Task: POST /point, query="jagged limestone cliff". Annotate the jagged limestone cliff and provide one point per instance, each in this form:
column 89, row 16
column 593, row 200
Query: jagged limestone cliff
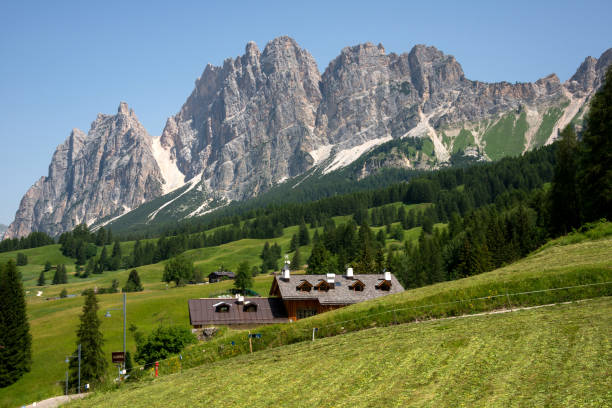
column 265, row 117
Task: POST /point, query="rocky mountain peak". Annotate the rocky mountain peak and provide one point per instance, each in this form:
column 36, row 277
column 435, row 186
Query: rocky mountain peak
column 124, row 109
column 266, row 116
column 92, row 177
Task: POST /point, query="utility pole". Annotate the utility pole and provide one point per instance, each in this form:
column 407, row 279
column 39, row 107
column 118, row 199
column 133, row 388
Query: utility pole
column 124, row 319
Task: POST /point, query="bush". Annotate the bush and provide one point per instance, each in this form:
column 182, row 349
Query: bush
column 178, row 270
column 163, row 342
column 64, row 293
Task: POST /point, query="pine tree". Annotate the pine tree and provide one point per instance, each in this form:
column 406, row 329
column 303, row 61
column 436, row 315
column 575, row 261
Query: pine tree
column 244, row 278
column 380, row 260
column 318, row 258
column 116, row 250
column 304, row 235
column 41, row 279
column 294, row 243
column 564, row 205
column 93, row 363
column 115, row 261
column 61, row 275
column 595, row 165
column 57, row 275
column 103, row 261
column 133, row 283
column 15, row 338
column 47, row 266
column 296, row 262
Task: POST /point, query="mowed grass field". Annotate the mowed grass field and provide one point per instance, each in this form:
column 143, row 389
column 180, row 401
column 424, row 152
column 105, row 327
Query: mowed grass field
column 553, row 356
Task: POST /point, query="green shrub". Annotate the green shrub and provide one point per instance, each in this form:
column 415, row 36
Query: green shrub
column 163, row 342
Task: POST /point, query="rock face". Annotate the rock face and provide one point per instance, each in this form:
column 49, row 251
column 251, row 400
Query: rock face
column 92, row 177
column 265, row 117
column 249, row 124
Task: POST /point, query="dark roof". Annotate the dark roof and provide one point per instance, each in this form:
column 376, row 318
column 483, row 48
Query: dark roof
column 222, row 273
column 269, row 310
column 339, row 295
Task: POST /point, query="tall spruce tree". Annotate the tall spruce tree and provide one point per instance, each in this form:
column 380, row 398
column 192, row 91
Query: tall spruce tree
column 41, row 279
column 296, row 262
column 564, row 204
column 595, row 165
column 57, row 275
column 133, row 283
column 294, row 243
column 304, row 235
column 15, row 338
column 93, row 364
column 318, row 258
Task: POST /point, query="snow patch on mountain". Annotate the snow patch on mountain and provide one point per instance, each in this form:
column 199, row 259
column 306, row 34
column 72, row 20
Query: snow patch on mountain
column 568, row 114
column 345, row 157
column 321, row 154
column 170, row 172
column 192, row 184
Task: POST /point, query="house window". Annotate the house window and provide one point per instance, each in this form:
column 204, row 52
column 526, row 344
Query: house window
column 252, row 307
column 384, row 285
column 358, row 286
column 322, row 286
column 303, row 313
column 222, row 308
column 304, row 286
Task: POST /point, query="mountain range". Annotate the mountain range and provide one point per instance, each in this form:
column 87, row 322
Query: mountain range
column 267, row 117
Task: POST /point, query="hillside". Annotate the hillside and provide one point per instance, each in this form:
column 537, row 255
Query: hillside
column 581, row 259
column 541, row 357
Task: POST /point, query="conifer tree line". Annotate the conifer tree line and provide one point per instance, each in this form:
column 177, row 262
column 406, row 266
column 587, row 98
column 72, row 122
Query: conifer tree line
column 15, row 338
column 481, row 185
column 33, row 240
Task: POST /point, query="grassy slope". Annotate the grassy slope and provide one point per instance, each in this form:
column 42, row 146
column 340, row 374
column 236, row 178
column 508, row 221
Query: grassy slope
column 506, row 137
column 53, row 323
column 542, row 357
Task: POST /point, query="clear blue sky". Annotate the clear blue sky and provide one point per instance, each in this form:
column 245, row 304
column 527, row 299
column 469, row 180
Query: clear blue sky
column 62, row 62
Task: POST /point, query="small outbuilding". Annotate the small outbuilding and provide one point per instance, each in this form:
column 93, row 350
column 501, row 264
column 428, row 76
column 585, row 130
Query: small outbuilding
column 218, row 276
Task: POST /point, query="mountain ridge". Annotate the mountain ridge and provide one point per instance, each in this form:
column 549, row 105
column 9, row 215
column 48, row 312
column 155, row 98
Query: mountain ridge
column 265, row 117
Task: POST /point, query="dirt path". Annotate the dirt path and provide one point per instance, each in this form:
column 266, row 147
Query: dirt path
column 56, row 401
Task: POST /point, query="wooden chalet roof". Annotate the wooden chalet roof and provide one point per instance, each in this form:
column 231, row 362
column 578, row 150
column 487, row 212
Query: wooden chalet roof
column 341, row 294
column 269, row 310
column 222, row 273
